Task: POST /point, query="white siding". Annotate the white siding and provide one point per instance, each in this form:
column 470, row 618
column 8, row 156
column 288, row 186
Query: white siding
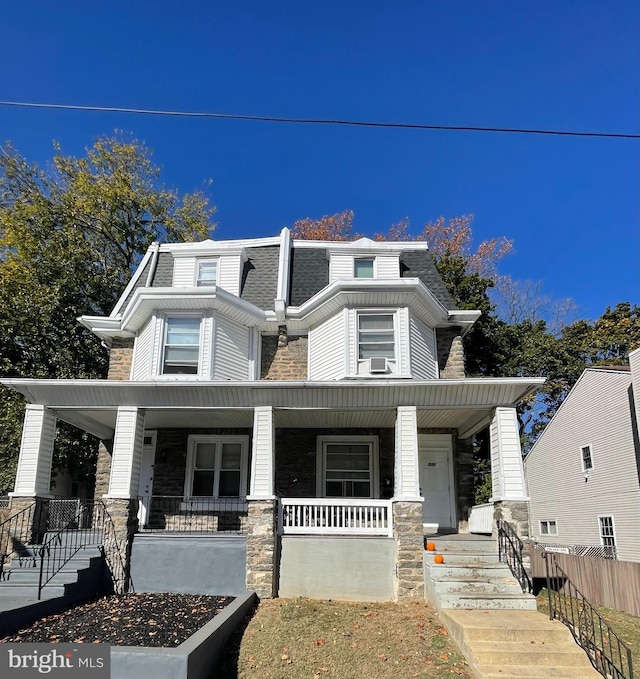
column 143, row 352
column 407, row 484
column 387, row 266
column 231, row 351
column 596, row 413
column 327, row 349
column 127, row 453
column 424, row 364
column 206, row 346
column 36, row 452
column 506, row 456
column 340, row 267
column 403, row 353
column 156, row 354
column 262, row 458
column 184, row 272
column 229, row 274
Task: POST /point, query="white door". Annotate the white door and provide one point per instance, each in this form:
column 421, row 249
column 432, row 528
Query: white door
column 436, row 480
column 145, row 487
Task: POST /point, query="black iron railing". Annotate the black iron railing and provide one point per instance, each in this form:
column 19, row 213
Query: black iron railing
column 193, row 514
column 88, row 525
column 606, row 651
column 24, row 528
column 510, row 551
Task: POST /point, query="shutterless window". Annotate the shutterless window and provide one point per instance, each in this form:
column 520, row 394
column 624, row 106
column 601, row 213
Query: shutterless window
column 217, row 469
column 548, row 528
column 207, row 273
column 363, row 267
column 348, row 470
column 181, row 345
column 376, row 336
column 607, row 534
column 587, row 460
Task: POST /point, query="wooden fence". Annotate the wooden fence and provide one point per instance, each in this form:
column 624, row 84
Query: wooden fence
column 613, row 584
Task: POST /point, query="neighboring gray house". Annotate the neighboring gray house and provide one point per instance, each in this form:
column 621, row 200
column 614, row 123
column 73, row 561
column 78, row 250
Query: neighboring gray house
column 583, row 473
column 270, row 403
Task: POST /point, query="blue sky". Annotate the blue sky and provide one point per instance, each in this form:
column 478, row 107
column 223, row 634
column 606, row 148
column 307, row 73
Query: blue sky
column 570, row 204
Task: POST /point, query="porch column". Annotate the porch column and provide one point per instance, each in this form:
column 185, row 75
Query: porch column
column 121, row 500
column 33, row 477
column 261, row 507
column 407, row 508
column 507, row 471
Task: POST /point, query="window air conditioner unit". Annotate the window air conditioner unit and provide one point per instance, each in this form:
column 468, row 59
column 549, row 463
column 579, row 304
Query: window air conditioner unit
column 378, row 365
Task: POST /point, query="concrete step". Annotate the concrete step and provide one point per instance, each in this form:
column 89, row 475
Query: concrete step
column 478, row 546
column 32, row 575
column 488, row 601
column 540, row 672
column 454, row 583
column 462, row 570
column 469, row 557
column 509, row 653
column 26, row 591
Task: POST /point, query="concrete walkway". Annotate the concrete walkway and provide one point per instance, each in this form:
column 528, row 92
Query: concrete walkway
column 512, row 644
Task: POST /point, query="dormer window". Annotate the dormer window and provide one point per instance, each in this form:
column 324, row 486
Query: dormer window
column 206, row 272
column 181, row 355
column 363, row 267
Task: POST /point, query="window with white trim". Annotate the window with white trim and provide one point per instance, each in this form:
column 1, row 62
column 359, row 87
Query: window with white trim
column 181, row 345
column 548, row 527
column 607, row 531
column 216, row 466
column 376, row 340
column 348, row 466
column 587, row 459
column 363, row 267
column 206, row 272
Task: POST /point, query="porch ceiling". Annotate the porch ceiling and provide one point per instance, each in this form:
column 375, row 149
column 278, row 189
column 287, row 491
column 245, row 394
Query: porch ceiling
column 464, row 404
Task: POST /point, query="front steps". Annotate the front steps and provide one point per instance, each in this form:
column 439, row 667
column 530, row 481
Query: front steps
column 471, row 576
column 517, row 645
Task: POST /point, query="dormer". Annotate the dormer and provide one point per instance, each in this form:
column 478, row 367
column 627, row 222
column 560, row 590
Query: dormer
column 208, row 264
column 363, row 258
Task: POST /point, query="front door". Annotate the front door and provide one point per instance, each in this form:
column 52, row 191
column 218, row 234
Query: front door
column 436, row 480
column 145, row 487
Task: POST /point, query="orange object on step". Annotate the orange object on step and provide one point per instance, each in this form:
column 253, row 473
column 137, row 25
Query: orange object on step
column 431, row 546
column 438, row 558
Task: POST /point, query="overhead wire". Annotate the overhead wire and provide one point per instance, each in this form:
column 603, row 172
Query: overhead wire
column 321, row 121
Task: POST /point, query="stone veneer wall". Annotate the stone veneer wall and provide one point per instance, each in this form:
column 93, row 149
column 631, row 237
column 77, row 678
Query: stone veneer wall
column 409, row 547
column 295, row 459
column 464, row 484
column 124, row 515
column 450, row 353
column 120, row 358
column 261, row 547
column 284, row 358
column 516, row 512
column 103, row 470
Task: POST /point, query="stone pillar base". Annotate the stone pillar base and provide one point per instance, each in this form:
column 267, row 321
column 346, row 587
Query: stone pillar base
column 117, row 541
column 261, row 547
column 408, row 536
column 515, row 512
column 29, row 529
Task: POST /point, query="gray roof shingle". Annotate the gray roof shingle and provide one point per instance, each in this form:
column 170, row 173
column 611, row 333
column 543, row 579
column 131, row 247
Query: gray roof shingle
column 259, row 283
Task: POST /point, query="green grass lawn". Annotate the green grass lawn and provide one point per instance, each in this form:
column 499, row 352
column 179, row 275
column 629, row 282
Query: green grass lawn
column 309, row 639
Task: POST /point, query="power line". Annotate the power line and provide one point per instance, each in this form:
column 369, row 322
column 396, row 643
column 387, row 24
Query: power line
column 319, row 121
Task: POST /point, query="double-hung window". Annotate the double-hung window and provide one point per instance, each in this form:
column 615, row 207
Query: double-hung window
column 216, row 466
column 363, row 267
column 206, row 272
column 607, row 532
column 376, row 338
column 587, row 459
column 181, row 351
column 548, row 527
column 348, row 467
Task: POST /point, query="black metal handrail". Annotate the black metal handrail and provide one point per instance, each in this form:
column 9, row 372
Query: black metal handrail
column 171, row 513
column 90, row 526
column 609, row 654
column 19, row 530
column 510, row 550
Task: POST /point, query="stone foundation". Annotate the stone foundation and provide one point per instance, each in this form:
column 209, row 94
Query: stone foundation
column 30, row 529
column 408, row 536
column 123, row 513
column 515, row 512
column 261, row 547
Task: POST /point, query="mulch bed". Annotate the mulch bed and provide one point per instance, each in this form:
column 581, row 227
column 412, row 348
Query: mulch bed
column 128, row 620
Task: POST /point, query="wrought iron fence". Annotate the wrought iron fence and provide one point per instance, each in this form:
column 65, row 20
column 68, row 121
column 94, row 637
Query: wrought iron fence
column 193, row 514
column 609, row 654
column 24, row 528
column 510, row 551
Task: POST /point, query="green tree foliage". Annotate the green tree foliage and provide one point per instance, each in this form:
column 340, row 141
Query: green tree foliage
column 70, row 236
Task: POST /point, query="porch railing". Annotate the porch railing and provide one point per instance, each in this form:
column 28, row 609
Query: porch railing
column 21, row 530
column 481, row 519
column 305, row 516
column 511, row 551
column 607, row 652
column 176, row 514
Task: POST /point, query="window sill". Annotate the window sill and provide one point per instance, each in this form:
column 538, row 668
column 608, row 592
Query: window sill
column 378, row 376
